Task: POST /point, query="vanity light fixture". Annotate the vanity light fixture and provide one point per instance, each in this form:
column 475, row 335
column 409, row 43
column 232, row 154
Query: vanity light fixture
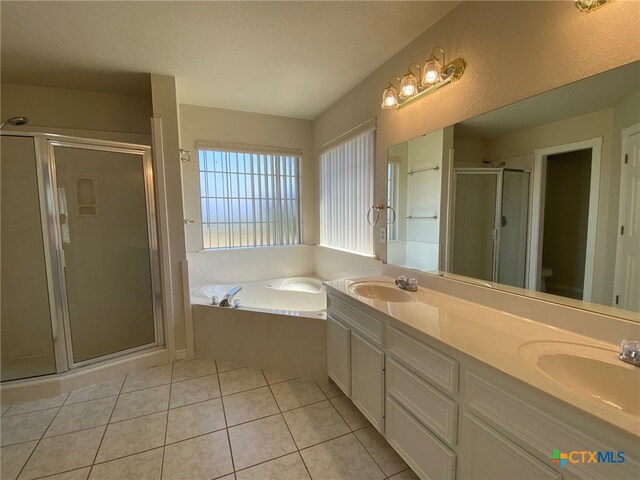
column 589, row 6
column 435, row 74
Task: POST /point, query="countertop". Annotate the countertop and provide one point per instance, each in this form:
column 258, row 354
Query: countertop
column 494, row 338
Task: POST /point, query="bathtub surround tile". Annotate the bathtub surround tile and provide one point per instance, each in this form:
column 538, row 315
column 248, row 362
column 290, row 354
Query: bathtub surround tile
column 193, row 420
column 141, row 402
column 250, row 405
column 297, row 393
column 385, row 456
column 25, row 427
column 315, row 423
column 187, row 369
column 80, row 474
column 349, row 413
column 36, row 405
column 196, row 390
column 132, row 436
column 277, row 377
column 241, row 379
column 142, row 466
column 152, row 377
column 13, row 458
column 200, row 458
column 330, row 389
column 406, row 475
column 261, row 440
column 63, row 453
column 342, row 458
column 226, row 365
column 93, row 392
column 81, row 416
column 289, row 467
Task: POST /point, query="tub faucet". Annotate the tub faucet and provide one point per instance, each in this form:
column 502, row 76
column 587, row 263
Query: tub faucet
column 630, row 352
column 228, row 298
column 410, row 284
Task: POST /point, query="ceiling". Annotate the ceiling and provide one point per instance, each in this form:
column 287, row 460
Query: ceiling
column 292, row 59
column 585, row 96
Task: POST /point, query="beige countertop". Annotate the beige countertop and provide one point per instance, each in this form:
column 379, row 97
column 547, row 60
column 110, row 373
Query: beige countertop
column 499, row 340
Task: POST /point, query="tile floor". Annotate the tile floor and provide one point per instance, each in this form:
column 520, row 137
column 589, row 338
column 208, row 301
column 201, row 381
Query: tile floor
column 196, row 420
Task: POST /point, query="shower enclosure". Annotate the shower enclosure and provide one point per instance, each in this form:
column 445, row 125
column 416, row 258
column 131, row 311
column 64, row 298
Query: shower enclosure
column 490, row 224
column 79, row 257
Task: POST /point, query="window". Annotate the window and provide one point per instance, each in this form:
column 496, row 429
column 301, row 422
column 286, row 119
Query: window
column 249, row 198
column 346, row 194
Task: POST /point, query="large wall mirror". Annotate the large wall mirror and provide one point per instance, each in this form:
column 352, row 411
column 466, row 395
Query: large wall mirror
column 541, row 197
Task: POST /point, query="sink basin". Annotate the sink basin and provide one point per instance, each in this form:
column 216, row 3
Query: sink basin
column 381, row 291
column 588, row 370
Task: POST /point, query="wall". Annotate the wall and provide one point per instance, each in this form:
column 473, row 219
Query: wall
column 74, row 112
column 509, row 47
column 218, row 125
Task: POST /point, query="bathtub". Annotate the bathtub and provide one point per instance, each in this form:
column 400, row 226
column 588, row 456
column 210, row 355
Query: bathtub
column 298, row 296
column 280, row 325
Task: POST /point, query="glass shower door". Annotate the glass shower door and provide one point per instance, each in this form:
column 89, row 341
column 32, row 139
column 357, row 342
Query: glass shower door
column 27, row 336
column 475, row 211
column 107, row 240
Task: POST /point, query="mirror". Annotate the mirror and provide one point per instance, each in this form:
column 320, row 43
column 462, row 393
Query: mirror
column 541, row 197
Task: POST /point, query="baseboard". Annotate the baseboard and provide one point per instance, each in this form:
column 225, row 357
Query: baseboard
column 181, row 354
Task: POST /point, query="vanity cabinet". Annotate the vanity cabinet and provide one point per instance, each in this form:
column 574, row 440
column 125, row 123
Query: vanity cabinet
column 450, row 417
column 487, row 455
column 339, row 354
column 367, row 380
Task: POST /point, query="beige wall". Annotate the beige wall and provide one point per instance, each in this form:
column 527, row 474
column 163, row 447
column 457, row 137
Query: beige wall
column 214, row 124
column 62, row 109
column 513, row 50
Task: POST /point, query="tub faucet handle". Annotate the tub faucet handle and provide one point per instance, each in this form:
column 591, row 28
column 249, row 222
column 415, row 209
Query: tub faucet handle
column 236, row 303
column 214, row 300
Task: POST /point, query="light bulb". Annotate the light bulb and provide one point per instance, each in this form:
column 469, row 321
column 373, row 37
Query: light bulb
column 389, row 97
column 408, row 86
column 432, row 72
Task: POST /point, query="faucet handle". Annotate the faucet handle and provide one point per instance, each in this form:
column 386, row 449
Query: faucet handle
column 214, row 300
column 627, row 347
column 236, row 303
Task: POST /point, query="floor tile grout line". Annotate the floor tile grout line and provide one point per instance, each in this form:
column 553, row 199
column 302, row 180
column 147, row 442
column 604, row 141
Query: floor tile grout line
column 61, row 473
column 166, row 423
column 226, row 424
column 104, row 433
column 39, row 440
column 289, row 430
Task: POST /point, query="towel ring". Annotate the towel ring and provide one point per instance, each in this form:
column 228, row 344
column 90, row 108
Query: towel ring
column 376, row 209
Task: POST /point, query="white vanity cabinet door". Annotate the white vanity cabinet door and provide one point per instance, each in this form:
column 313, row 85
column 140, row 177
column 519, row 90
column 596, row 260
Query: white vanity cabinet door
column 487, row 455
column 339, row 355
column 367, row 380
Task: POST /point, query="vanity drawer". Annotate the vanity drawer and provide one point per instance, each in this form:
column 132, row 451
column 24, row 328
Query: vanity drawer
column 427, row 456
column 367, row 326
column 431, row 407
column 426, row 361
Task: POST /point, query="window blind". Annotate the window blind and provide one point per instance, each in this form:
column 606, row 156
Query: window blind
column 249, row 199
column 346, row 194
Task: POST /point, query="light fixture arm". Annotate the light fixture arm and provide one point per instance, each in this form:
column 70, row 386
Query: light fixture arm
column 419, row 69
column 443, row 63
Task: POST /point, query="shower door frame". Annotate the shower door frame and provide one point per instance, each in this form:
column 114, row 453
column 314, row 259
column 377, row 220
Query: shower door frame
column 44, row 144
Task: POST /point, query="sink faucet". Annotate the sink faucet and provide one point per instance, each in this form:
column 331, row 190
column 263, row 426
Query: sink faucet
column 630, row 352
column 410, row 284
column 228, row 298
